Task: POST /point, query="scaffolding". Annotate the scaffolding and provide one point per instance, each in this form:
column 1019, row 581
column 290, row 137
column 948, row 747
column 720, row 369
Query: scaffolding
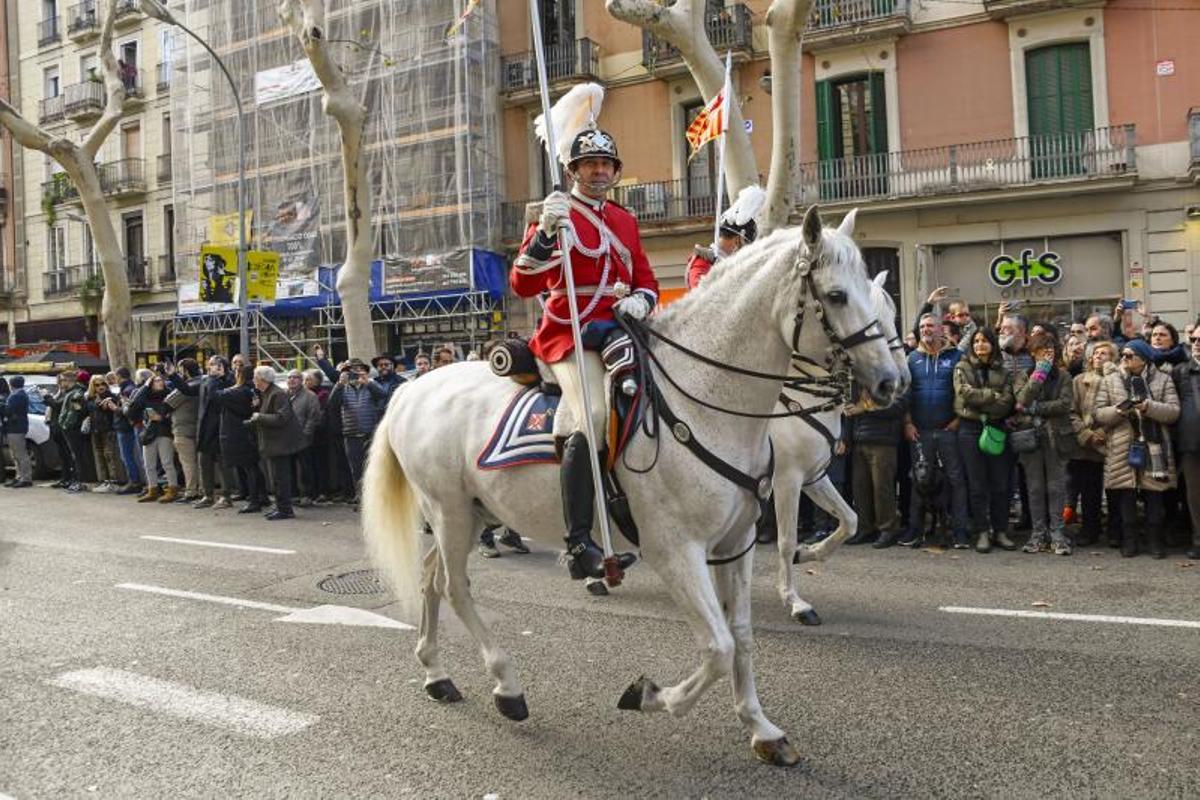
column 432, row 146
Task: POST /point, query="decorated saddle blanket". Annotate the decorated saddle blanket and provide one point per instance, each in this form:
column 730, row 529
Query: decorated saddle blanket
column 525, row 432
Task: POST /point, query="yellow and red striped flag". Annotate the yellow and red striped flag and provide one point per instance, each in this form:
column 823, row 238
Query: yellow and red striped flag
column 456, row 26
column 710, row 123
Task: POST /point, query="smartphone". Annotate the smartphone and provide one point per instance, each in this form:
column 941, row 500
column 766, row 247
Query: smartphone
column 1125, row 405
column 1128, row 304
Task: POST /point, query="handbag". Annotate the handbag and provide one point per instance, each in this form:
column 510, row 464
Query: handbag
column 1024, row 441
column 991, row 439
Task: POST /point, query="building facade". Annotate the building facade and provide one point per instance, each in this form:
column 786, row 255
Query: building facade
column 1008, row 149
column 60, row 90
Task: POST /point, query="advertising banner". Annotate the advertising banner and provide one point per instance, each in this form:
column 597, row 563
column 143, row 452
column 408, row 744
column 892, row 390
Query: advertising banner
column 280, row 83
column 262, row 276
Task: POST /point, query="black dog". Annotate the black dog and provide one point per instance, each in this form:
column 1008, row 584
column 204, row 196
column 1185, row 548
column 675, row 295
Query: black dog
column 930, row 483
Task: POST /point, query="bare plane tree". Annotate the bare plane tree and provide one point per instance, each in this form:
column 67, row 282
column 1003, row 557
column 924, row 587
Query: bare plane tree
column 306, row 19
column 681, row 24
column 79, row 163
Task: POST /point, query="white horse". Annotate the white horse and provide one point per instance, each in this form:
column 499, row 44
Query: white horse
column 766, row 303
column 803, row 455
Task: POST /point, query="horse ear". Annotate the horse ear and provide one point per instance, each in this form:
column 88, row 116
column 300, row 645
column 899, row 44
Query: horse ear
column 880, row 279
column 847, row 226
column 812, row 227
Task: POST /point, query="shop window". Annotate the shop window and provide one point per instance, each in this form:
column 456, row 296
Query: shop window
column 852, row 142
column 1058, row 86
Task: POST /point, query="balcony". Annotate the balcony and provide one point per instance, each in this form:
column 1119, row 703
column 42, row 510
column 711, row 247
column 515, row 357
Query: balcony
column 731, row 29
column 124, row 178
column 135, row 87
column 51, row 109
column 137, row 273
column 833, row 23
column 59, row 190
column 999, row 9
column 3, row 194
column 1194, row 143
column 1003, row 164
column 11, row 284
column 71, row 279
column 569, row 61
column 83, row 22
column 49, row 32
column 84, row 100
column 129, row 12
column 166, row 271
column 164, row 169
column 162, row 77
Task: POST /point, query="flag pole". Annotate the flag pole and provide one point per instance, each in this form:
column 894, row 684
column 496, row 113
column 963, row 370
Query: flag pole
column 611, row 568
column 726, row 107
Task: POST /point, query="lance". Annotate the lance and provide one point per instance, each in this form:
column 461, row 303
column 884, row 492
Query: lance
column 612, row 571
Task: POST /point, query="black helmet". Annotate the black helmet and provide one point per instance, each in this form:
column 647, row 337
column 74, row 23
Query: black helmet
column 748, row 231
column 594, row 143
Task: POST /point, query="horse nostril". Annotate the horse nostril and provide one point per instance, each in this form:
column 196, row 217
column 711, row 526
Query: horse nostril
column 886, row 388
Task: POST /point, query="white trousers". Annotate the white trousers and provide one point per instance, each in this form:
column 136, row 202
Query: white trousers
column 570, row 412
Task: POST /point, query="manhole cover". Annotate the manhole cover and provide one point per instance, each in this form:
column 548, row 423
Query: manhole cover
column 362, row 581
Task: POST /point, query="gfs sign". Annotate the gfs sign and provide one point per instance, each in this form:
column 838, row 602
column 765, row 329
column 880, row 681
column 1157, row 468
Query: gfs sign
column 1006, row 271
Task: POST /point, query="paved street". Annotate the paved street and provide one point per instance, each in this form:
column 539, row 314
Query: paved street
column 114, row 685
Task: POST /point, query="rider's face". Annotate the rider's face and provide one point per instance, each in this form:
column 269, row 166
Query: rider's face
column 595, row 176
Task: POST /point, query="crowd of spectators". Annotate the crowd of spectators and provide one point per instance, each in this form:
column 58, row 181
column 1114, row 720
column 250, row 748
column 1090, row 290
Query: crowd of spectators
column 213, row 435
column 1080, row 433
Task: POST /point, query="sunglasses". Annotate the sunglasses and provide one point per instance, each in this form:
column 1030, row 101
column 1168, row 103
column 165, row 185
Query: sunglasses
column 1194, row 339
column 1128, row 356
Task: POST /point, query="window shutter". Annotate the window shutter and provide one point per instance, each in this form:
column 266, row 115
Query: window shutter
column 879, row 126
column 825, row 127
column 1058, row 82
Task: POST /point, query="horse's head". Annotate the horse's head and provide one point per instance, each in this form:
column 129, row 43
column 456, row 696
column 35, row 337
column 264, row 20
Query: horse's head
column 836, row 309
column 885, row 312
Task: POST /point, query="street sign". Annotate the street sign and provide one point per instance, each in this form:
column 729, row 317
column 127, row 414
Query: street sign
column 1164, row 68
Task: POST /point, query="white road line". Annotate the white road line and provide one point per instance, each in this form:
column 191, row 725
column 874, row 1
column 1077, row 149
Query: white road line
column 1006, row 612
column 200, row 543
column 4, row 796
column 210, row 598
column 237, row 714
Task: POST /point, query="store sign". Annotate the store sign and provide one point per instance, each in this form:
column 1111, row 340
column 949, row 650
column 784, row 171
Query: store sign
column 1005, row 271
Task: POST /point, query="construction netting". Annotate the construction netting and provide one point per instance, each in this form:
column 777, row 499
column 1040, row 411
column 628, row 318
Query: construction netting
column 432, row 141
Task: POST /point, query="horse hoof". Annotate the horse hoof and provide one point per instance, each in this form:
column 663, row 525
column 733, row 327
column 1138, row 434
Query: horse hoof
column 635, row 695
column 806, row 617
column 444, row 691
column 777, row 752
column 512, row 707
column 597, row 589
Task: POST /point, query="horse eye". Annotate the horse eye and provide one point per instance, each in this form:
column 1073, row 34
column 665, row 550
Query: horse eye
column 838, row 297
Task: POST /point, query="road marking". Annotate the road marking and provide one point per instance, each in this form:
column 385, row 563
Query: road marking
column 200, row 543
column 321, row 615
column 247, row 717
column 1006, row 612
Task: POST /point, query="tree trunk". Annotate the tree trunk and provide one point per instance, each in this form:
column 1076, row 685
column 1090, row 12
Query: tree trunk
column 785, row 29
column 306, row 19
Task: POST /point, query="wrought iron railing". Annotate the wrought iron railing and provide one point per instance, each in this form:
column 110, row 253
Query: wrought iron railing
column 166, row 271
column 52, row 109
column 732, row 28
column 162, row 76
column 83, row 99
column 975, row 166
column 82, row 19
column 132, row 80
column 566, row 60
column 136, row 272
column 11, row 282
column 69, row 279
column 164, row 168
column 59, row 189
column 49, row 32
column 831, row 14
column 126, row 176
column 127, row 9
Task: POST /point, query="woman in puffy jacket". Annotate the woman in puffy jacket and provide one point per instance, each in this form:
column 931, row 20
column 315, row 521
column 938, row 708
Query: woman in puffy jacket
column 983, row 394
column 1136, row 404
column 1086, row 470
column 100, row 406
column 1043, row 412
column 151, row 408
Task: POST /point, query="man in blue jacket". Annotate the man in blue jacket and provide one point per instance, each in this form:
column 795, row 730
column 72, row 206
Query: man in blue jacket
column 931, row 425
column 16, row 428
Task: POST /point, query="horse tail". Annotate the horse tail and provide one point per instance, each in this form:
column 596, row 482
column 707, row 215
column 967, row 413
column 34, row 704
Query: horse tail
column 391, row 521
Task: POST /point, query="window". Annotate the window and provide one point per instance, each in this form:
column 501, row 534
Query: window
column 1058, row 88
column 56, row 248
column 89, row 68
column 852, row 141
column 167, row 273
column 558, row 21
column 51, row 84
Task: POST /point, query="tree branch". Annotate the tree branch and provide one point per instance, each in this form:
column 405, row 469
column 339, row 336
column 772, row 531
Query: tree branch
column 114, row 87
column 26, row 134
column 785, row 29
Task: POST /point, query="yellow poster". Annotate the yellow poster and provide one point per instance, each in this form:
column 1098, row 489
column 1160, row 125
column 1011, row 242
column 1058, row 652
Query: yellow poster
column 218, row 274
column 223, row 228
column 262, row 267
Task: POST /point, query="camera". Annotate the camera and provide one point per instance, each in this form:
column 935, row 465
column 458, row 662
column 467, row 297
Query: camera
column 1137, row 389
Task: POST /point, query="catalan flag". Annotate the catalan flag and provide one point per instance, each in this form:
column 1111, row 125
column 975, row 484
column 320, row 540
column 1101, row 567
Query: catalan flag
column 710, row 123
column 456, row 26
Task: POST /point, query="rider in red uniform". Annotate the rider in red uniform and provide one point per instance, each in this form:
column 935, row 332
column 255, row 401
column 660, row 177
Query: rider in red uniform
column 610, row 271
column 737, row 229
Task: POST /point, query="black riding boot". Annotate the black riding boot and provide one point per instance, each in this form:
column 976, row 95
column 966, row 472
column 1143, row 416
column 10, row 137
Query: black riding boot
column 579, row 507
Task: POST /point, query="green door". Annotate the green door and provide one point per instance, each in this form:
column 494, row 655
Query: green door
column 852, row 141
column 1058, row 82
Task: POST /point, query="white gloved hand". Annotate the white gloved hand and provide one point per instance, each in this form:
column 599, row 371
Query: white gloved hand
column 636, row 306
column 556, row 209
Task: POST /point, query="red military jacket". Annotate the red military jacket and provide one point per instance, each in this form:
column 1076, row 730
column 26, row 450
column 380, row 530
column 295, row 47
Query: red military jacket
column 699, row 264
column 606, row 234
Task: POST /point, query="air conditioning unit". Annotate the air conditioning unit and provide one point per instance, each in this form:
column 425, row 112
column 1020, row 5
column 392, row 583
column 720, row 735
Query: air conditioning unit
column 515, row 75
column 648, row 201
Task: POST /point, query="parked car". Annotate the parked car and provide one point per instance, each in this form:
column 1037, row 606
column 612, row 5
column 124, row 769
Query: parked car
column 42, row 453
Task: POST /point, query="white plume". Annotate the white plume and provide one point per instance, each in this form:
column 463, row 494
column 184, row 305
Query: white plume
column 575, row 111
column 749, row 202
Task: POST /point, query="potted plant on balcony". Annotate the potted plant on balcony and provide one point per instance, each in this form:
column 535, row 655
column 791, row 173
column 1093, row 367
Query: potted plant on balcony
column 91, row 293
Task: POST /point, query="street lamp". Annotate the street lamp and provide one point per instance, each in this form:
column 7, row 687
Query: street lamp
column 155, row 9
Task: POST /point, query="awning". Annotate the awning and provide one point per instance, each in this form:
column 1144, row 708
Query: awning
column 156, row 312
